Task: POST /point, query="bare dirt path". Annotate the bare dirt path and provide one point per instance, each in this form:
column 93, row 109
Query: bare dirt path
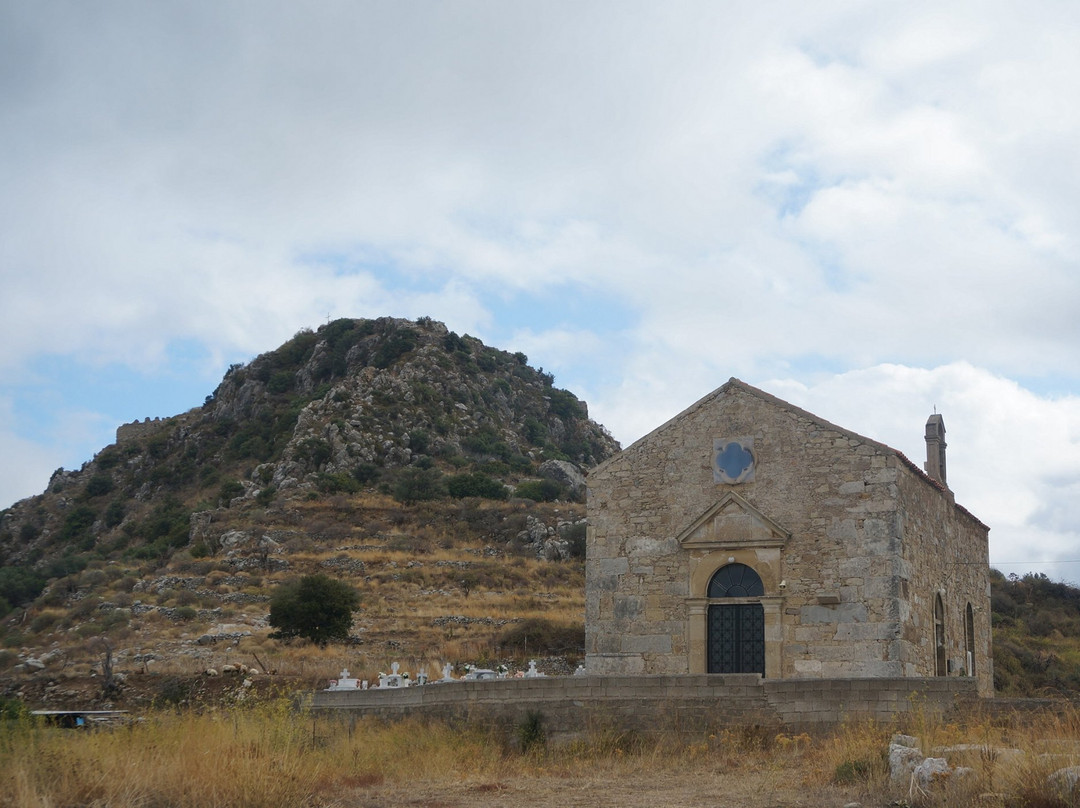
column 773, row 789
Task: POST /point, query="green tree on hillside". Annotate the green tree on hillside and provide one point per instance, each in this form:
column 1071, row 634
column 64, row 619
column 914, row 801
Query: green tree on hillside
column 316, row 607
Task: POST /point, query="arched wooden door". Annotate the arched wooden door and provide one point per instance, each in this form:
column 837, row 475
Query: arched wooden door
column 736, row 631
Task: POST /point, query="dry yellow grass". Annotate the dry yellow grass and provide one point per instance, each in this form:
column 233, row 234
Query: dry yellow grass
column 267, row 755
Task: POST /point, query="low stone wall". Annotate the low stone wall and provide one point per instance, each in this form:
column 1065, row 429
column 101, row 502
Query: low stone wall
column 576, row 705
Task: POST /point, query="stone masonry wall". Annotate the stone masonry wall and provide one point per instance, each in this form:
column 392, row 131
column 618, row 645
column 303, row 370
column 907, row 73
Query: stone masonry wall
column 946, row 551
column 834, row 492
column 571, row 707
column 139, row 429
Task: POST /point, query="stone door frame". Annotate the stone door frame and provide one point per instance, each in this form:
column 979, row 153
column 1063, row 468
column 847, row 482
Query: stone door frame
column 766, row 563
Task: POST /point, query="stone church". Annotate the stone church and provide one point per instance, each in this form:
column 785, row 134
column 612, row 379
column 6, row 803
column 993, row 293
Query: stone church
column 749, row 536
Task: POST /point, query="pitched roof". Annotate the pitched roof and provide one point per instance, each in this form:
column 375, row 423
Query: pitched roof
column 738, row 384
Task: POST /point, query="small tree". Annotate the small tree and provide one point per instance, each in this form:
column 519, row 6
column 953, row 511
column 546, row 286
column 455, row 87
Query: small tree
column 316, row 607
column 418, row 485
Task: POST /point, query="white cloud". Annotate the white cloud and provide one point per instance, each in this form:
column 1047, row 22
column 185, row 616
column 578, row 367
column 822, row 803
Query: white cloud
column 772, row 190
column 1013, row 456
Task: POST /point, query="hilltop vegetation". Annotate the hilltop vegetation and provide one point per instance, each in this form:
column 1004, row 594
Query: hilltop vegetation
column 1036, row 635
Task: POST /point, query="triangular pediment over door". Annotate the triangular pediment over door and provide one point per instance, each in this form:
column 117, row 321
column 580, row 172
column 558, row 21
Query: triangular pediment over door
column 731, row 524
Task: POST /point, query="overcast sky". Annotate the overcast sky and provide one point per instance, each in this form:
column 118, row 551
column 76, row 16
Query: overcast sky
column 869, row 209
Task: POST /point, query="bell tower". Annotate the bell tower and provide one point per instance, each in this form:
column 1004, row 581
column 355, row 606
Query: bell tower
column 935, row 448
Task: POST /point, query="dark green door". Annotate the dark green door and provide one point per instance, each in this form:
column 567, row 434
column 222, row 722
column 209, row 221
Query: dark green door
column 736, row 638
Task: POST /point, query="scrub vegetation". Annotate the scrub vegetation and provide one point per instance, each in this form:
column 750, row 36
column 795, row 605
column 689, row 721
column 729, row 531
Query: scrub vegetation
column 267, row 754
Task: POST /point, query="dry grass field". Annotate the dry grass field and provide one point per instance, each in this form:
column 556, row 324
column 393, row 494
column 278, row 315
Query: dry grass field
column 267, row 755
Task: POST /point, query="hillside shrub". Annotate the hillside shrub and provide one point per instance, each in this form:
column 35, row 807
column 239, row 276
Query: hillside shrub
column 108, row 458
column 230, row 489
column 535, row 431
column 317, row 607
column 452, row 342
column 460, row 486
column 114, row 513
column 575, row 535
column 565, row 404
column 166, row 527
column 538, row 636
column 419, row 441
column 19, row 585
column 77, row 526
column 67, row 564
column 539, row 490
column 365, row 473
column 99, row 485
column 340, row 483
column 486, row 441
column 314, row 451
column 418, row 485
column 394, row 347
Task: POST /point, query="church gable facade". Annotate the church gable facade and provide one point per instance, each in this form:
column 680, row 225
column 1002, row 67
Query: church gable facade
column 749, row 536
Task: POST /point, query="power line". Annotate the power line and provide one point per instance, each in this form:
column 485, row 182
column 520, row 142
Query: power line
column 1063, row 561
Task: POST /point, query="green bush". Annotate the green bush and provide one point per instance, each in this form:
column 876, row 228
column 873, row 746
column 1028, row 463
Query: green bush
column 853, row 771
column 337, row 483
column 316, row 607
column 419, row 441
column 315, row 451
column 565, row 404
column 281, row 382
column 107, row 459
column 20, row 585
column 230, row 489
column 365, row 473
column 460, row 486
column 167, row 526
column 486, row 441
column 535, row 431
column 98, row 485
column 76, row 528
column 394, row 347
column 418, row 485
column 174, row 692
column 114, row 514
column 530, row 732
column 11, row 708
column 538, row 636
column 575, row 535
column 539, row 490
column 452, row 342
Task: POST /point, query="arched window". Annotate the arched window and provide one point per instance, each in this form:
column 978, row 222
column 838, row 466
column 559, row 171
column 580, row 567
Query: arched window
column 969, row 638
column 940, row 665
column 735, row 581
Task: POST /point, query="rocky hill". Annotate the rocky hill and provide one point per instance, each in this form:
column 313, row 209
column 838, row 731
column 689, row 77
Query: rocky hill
column 420, row 465
column 440, row 477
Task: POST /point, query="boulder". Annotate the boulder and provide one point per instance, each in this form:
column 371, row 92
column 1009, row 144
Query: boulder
column 902, row 762
column 565, row 473
column 929, row 770
column 554, row 550
column 1066, row 783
